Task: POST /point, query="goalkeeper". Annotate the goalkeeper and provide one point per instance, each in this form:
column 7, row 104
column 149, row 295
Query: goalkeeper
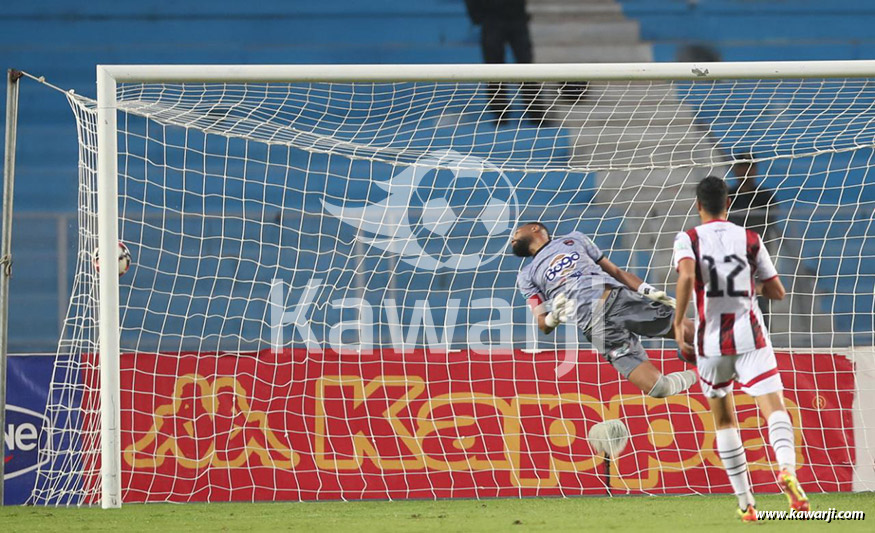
column 573, row 274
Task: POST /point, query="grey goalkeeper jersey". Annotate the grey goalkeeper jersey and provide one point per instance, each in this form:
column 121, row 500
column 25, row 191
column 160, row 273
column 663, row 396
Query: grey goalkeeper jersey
column 567, row 264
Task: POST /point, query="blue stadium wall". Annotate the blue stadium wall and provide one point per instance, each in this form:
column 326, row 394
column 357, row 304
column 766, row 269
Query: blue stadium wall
column 65, row 40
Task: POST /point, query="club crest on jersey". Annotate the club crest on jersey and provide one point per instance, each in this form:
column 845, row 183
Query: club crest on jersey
column 562, row 265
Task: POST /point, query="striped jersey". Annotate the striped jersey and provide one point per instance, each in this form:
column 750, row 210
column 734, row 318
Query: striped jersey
column 728, row 260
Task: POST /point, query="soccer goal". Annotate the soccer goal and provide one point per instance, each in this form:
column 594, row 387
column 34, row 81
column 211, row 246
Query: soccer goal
column 321, row 303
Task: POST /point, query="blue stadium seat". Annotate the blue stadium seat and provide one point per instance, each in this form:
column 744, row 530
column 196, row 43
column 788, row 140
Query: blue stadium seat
column 64, row 41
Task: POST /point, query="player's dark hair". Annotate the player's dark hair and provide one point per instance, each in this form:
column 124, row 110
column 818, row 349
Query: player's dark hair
column 521, row 246
column 543, row 227
column 712, row 194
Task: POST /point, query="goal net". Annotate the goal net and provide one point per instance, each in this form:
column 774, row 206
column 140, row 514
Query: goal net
column 322, row 301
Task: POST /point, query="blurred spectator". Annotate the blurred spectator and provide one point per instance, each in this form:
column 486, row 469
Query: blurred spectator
column 753, row 208
column 503, row 23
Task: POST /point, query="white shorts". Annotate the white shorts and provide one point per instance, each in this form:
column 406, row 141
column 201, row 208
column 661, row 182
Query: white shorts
column 756, row 373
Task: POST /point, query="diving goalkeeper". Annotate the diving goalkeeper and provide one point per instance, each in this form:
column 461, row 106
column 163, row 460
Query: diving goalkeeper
column 573, row 274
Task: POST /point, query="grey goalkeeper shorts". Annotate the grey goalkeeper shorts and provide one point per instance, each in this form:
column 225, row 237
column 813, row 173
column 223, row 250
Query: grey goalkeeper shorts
column 627, row 315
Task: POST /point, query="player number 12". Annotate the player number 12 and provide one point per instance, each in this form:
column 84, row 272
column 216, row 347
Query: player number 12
column 714, row 290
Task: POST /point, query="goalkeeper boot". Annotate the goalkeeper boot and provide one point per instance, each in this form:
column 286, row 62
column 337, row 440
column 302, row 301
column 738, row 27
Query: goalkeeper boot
column 795, row 495
column 748, row 515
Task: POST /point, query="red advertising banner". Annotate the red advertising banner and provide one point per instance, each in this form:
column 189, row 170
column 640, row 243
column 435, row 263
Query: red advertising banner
column 301, row 425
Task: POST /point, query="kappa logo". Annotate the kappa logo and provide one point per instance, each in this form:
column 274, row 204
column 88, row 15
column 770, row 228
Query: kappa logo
column 210, row 423
column 22, row 431
column 562, row 265
column 446, row 211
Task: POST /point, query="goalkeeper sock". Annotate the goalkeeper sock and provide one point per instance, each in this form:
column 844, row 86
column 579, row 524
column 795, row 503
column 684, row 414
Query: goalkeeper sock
column 674, row 383
column 731, row 452
column 781, row 439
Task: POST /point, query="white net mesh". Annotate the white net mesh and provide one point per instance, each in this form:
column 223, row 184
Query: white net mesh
column 322, row 304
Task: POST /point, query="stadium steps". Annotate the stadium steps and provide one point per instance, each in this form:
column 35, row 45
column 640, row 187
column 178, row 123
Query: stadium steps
column 592, row 33
column 619, row 52
column 588, row 31
column 626, row 125
column 645, row 126
column 575, row 10
column 64, row 41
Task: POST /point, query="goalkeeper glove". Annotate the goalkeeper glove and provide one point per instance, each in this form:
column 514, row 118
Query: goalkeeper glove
column 562, row 309
column 651, row 292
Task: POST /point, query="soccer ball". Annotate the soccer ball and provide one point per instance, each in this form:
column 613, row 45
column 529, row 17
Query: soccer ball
column 608, row 438
column 124, row 259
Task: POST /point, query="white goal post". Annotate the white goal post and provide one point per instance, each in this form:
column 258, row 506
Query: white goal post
column 671, row 89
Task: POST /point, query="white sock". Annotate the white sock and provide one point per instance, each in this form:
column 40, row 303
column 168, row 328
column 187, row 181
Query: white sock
column 731, row 452
column 781, row 439
column 684, row 379
column 674, row 383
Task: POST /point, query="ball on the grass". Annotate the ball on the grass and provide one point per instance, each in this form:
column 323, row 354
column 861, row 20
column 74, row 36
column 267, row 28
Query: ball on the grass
column 124, row 259
column 609, row 437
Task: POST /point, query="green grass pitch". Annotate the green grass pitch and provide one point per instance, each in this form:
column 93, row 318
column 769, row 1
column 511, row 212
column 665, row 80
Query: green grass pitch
column 640, row 514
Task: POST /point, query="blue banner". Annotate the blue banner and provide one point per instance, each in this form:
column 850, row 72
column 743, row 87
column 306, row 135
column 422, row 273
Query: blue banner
column 27, row 389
